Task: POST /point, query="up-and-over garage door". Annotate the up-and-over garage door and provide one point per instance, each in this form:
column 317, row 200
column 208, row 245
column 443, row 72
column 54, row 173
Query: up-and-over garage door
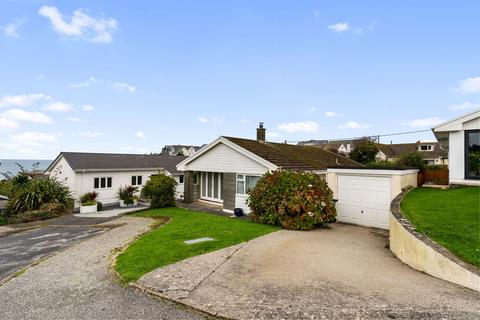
column 364, row 200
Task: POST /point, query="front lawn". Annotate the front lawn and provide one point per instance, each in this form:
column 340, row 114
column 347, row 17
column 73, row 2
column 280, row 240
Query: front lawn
column 450, row 217
column 165, row 245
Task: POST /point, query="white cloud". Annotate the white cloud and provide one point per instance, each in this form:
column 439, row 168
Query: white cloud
column 345, row 26
column 58, row 107
column 90, row 134
column 124, row 86
column 424, row 123
column 464, row 106
column 26, row 116
column 120, row 86
column 272, row 134
column 354, row 125
column 88, row 107
column 469, row 85
column 81, row 25
column 302, row 126
column 23, row 100
column 140, row 135
column 74, row 119
column 339, row 27
column 11, row 29
column 211, row 119
column 8, row 124
column 332, row 114
column 33, row 138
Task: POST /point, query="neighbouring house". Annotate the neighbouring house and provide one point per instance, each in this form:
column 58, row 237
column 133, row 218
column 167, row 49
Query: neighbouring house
column 180, row 150
column 225, row 170
column 105, row 173
column 3, row 203
column 432, row 152
column 461, row 136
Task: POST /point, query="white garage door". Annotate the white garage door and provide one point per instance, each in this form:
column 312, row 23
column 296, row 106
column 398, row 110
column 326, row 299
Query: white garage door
column 364, row 200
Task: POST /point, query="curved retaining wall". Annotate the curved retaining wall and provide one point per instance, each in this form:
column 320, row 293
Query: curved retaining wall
column 423, row 254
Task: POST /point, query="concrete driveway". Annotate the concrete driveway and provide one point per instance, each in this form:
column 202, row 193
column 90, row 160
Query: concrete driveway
column 345, row 272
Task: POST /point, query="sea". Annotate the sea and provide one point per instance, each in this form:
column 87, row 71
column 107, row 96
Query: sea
column 10, row 165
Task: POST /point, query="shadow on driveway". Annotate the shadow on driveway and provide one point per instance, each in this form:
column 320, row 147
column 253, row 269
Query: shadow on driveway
column 20, row 249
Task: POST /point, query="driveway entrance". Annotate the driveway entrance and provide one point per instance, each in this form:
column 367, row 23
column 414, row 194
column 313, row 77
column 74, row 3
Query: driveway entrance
column 345, row 272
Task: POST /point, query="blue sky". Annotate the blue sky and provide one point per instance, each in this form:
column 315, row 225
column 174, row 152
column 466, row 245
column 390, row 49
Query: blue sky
column 132, row 76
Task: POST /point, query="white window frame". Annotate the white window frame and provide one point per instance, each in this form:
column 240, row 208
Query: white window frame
column 204, row 175
column 244, row 180
column 100, row 183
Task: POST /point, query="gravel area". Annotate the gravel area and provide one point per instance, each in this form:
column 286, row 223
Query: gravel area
column 77, row 284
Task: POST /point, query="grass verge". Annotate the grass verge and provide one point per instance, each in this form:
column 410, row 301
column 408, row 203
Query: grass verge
column 165, row 245
column 450, row 217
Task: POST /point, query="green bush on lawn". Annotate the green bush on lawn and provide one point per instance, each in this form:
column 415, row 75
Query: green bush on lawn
column 160, row 189
column 294, row 200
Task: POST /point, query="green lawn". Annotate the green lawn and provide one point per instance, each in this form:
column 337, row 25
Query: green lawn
column 450, row 217
column 165, row 245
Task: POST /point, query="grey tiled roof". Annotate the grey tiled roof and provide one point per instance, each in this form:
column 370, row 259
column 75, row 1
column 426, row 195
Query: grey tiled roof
column 116, row 161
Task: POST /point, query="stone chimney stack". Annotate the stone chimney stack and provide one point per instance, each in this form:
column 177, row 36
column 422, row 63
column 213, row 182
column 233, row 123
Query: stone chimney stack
column 261, row 133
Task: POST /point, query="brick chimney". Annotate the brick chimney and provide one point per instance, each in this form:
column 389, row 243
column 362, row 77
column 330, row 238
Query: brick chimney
column 261, row 133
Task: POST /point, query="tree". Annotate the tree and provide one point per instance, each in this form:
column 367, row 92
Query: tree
column 364, row 152
column 411, row 160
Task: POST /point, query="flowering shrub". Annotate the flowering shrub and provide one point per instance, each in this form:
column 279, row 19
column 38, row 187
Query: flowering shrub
column 294, row 200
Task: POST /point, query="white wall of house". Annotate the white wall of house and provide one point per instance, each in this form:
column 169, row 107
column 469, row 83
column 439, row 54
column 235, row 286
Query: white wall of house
column 223, row 158
column 456, row 153
column 65, row 174
column 81, row 182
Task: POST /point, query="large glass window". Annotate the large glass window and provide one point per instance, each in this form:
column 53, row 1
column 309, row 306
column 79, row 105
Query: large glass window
column 472, row 154
column 246, row 183
column 211, row 186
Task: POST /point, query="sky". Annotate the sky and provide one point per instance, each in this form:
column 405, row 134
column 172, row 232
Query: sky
column 133, row 76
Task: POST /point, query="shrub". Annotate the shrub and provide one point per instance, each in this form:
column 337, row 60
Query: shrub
column 46, row 211
column 160, row 189
column 382, row 164
column 6, row 188
column 89, row 197
column 411, row 160
column 295, row 200
column 38, row 192
column 127, row 194
column 364, row 152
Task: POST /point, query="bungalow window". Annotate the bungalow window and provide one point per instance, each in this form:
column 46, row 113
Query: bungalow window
column 180, row 178
column 472, row 154
column 245, row 184
column 137, row 180
column 102, row 183
column 211, row 185
column 426, row 148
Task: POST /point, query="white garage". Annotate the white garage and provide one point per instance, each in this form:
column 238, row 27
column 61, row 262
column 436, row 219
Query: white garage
column 364, row 195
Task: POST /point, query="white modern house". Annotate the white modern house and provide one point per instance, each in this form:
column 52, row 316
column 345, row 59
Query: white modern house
column 462, row 138
column 105, row 173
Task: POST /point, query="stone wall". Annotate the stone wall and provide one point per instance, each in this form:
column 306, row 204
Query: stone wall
column 423, row 254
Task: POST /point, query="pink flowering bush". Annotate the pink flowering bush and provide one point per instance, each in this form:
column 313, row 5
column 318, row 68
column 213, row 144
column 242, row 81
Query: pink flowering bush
column 294, row 200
